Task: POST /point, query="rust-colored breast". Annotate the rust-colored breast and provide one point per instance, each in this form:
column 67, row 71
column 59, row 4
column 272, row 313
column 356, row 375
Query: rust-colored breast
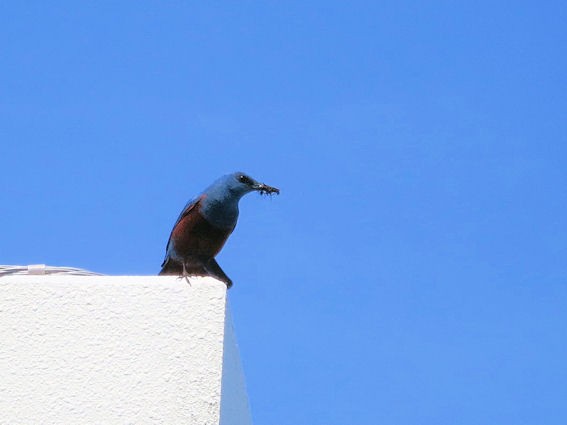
column 195, row 236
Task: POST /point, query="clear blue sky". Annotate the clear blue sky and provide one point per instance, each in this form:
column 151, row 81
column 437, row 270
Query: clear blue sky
column 413, row 270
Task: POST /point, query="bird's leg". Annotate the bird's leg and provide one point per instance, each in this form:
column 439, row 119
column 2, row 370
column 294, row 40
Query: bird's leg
column 185, row 275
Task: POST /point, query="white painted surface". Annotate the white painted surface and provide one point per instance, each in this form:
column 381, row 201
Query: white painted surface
column 113, row 350
column 235, row 409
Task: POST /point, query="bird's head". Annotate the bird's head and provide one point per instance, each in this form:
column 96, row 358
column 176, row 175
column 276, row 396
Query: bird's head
column 234, row 186
column 220, row 200
column 240, row 184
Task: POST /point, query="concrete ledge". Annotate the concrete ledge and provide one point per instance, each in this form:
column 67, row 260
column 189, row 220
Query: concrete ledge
column 117, row 350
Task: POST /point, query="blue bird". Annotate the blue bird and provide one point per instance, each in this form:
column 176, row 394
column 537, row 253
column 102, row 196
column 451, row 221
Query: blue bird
column 205, row 224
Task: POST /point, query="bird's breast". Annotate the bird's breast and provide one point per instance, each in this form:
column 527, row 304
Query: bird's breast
column 195, row 236
column 220, row 213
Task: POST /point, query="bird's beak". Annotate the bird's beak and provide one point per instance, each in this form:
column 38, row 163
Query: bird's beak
column 264, row 189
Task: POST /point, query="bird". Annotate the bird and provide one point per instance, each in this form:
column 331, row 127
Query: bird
column 204, row 225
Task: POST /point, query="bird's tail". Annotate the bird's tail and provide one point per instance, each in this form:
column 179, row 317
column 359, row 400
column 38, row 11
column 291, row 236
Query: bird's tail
column 211, row 268
column 172, row 267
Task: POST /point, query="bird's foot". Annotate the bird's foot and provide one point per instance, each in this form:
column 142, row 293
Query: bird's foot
column 185, row 275
column 186, row 279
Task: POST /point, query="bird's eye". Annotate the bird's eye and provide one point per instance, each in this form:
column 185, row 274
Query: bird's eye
column 244, row 179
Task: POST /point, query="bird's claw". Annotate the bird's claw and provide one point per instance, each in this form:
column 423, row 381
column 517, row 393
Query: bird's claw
column 185, row 275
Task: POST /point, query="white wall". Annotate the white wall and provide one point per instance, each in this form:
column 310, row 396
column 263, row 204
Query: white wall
column 117, row 350
column 234, row 407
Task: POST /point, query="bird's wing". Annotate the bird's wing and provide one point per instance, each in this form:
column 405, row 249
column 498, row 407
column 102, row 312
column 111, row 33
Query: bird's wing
column 191, row 205
column 188, row 208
